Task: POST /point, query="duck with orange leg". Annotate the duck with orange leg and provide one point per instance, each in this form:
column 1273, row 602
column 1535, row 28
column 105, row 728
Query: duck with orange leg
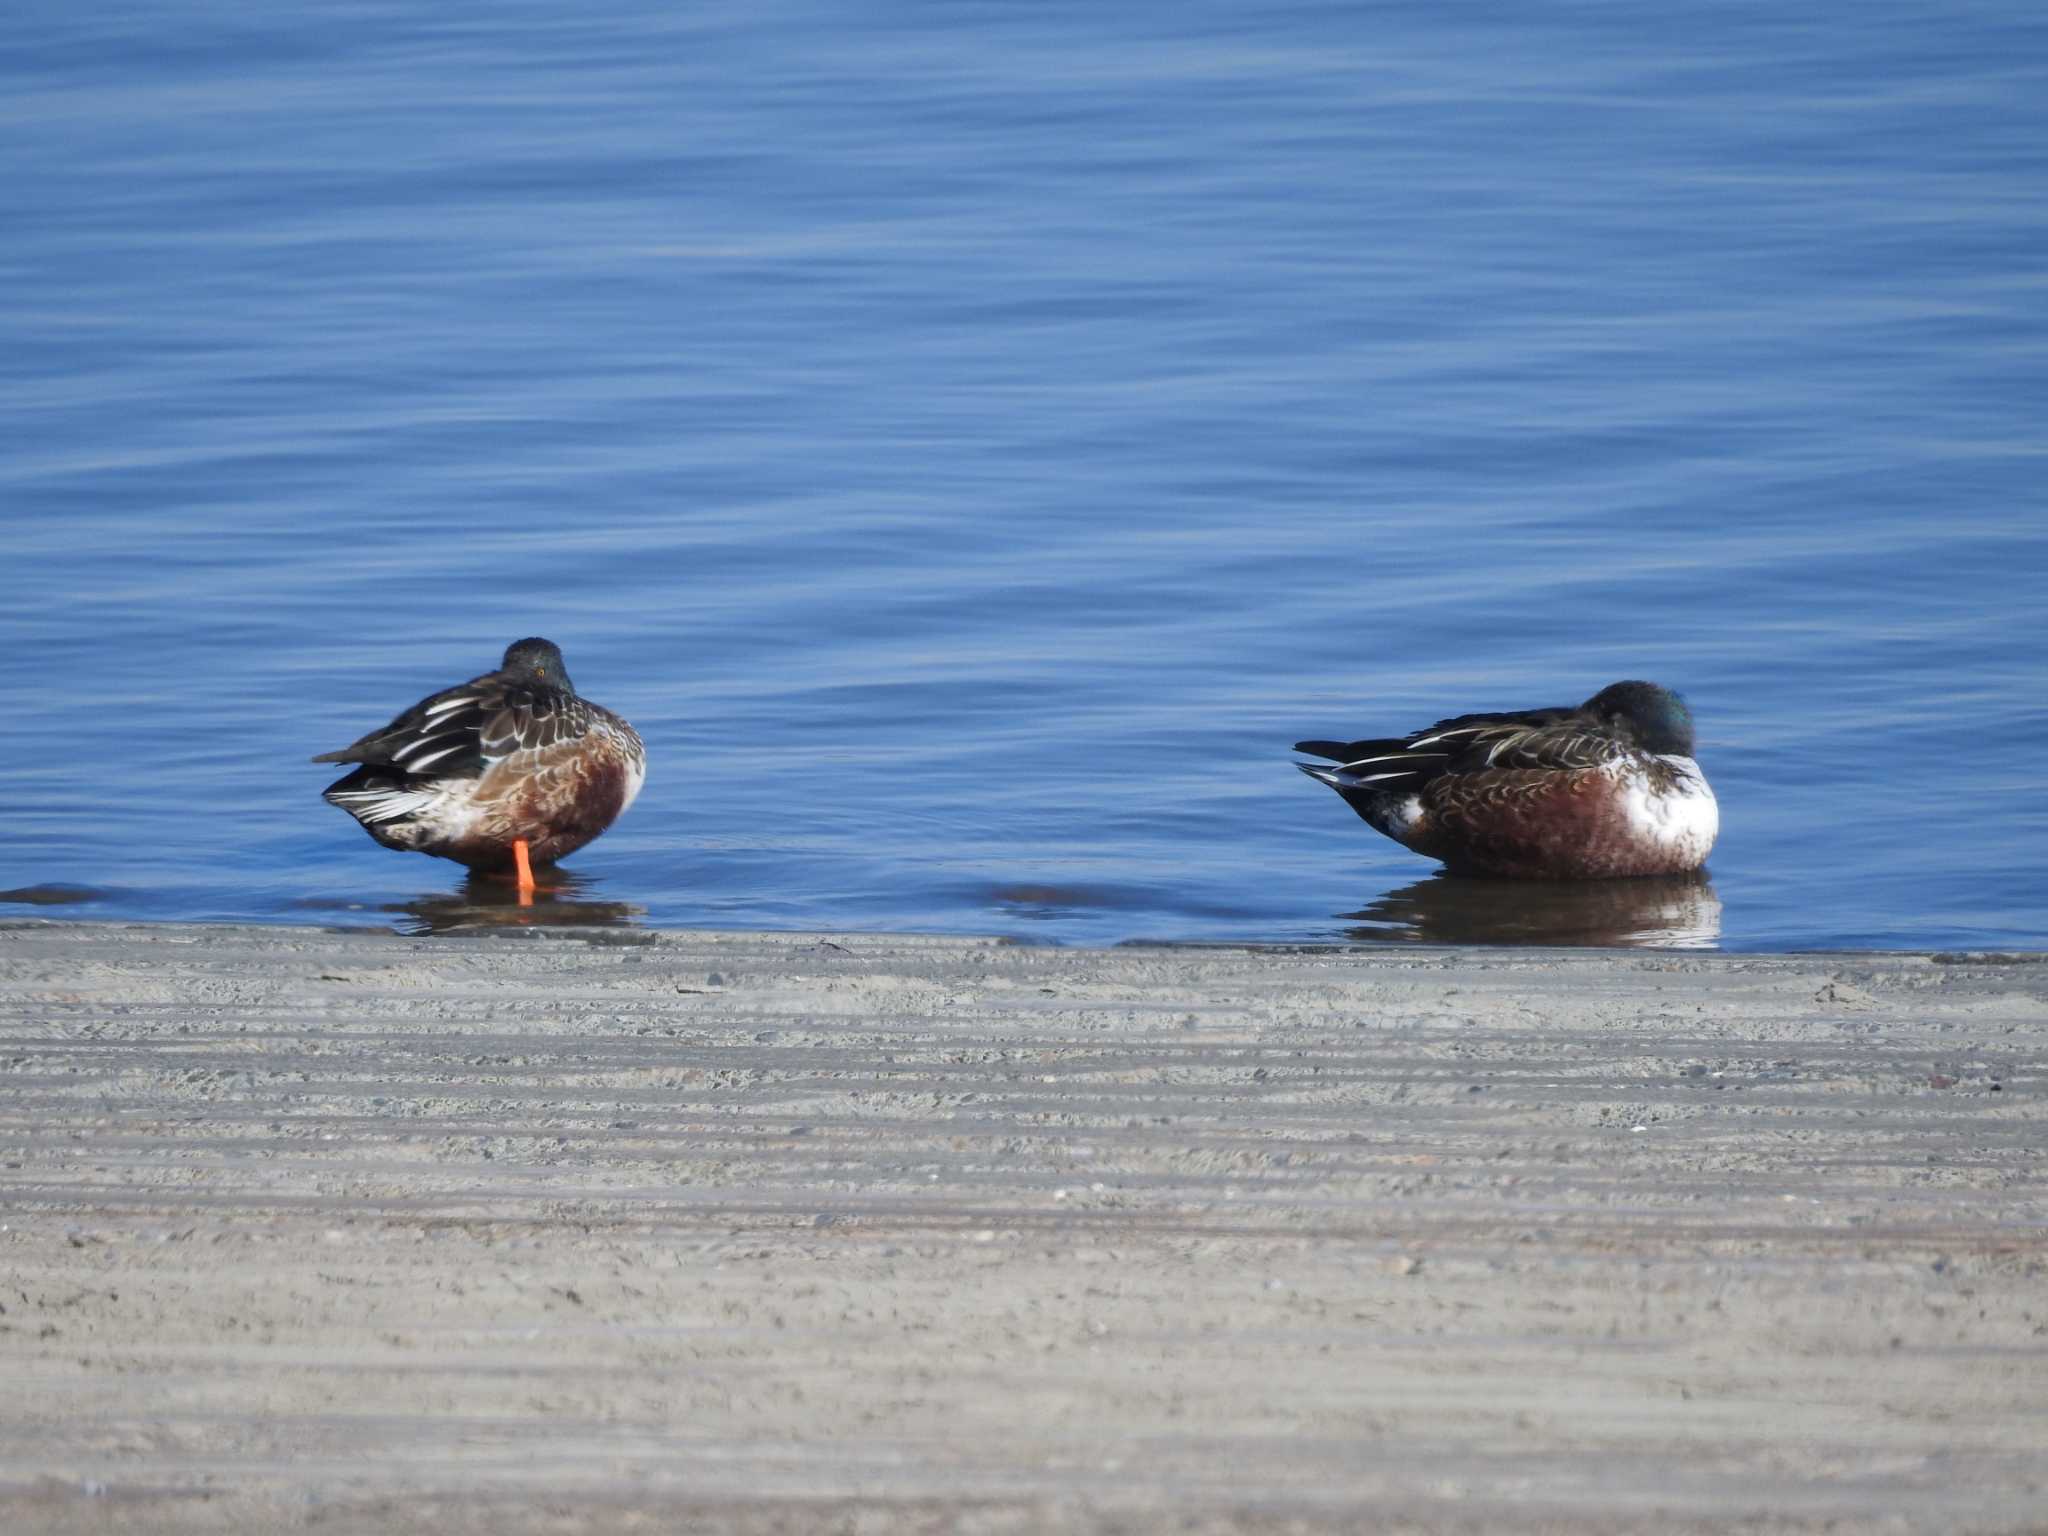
column 507, row 771
column 1603, row 789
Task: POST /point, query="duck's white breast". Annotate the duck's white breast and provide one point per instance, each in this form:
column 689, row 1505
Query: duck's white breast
column 1682, row 816
column 636, row 775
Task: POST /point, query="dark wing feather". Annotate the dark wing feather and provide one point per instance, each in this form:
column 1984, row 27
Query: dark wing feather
column 1491, row 726
column 1530, row 738
column 461, row 731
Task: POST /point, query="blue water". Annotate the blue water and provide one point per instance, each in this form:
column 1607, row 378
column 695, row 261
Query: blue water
column 972, row 442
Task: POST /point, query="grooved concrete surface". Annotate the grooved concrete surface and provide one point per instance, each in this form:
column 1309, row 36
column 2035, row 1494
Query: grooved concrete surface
column 770, row 1233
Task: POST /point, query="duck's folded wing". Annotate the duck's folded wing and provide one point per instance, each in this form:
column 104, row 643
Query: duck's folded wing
column 447, row 735
column 1529, row 738
column 1534, row 738
column 1570, row 744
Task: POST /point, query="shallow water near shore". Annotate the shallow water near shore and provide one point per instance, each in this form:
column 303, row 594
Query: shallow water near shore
column 971, row 447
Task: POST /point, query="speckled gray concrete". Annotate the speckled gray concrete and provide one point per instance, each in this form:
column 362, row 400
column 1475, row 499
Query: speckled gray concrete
column 742, row 1233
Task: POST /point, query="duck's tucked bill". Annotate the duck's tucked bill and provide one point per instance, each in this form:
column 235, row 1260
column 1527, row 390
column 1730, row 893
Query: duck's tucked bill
column 1607, row 788
column 500, row 773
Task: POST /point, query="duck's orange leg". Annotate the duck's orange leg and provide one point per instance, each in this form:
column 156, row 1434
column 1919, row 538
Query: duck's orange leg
column 525, row 871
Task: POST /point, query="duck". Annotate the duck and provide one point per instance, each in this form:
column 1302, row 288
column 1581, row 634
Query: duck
column 509, row 770
column 1606, row 789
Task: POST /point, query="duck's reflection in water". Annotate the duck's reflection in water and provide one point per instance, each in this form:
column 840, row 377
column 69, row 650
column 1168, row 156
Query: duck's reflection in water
column 1664, row 912
column 565, row 899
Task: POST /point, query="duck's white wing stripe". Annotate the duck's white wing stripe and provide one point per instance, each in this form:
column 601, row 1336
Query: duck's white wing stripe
column 419, row 765
column 405, row 756
column 1392, row 757
column 1344, row 778
column 1436, row 736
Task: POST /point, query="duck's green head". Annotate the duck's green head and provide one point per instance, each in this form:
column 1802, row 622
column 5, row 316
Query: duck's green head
column 1656, row 717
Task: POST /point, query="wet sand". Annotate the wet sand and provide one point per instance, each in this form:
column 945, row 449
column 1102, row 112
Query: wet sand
column 738, row 1233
